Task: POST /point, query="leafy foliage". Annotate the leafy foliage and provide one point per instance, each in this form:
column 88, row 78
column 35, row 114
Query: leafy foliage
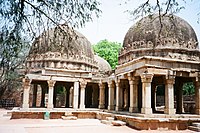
column 162, row 7
column 188, row 88
column 109, row 51
column 23, row 20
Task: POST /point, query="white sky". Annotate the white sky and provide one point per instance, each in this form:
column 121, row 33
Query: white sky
column 114, row 22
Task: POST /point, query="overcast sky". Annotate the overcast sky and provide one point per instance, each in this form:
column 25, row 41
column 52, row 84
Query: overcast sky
column 114, row 22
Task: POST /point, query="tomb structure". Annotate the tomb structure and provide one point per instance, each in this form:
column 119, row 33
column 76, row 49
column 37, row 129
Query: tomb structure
column 156, row 51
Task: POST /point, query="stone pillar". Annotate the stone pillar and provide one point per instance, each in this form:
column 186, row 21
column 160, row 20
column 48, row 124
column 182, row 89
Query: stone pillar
column 44, row 89
column 126, row 98
column 133, row 82
column 26, row 87
column 169, row 96
column 197, row 97
column 51, row 84
column 119, row 96
column 153, row 97
column 146, row 93
column 71, row 97
column 101, row 96
column 179, row 97
column 35, row 87
column 110, row 96
column 76, row 91
column 82, row 100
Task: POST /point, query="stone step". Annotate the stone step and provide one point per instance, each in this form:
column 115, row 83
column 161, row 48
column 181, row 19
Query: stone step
column 68, row 114
column 8, row 114
column 106, row 122
column 118, row 123
column 194, row 128
column 110, row 119
column 69, row 117
column 196, row 124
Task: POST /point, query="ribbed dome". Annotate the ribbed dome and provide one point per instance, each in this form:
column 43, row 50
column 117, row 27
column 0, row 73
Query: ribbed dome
column 148, row 32
column 103, row 65
column 62, row 39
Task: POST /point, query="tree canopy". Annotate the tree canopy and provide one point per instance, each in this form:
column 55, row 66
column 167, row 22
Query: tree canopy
column 108, row 50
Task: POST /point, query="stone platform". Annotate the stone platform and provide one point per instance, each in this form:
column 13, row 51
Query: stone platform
column 134, row 120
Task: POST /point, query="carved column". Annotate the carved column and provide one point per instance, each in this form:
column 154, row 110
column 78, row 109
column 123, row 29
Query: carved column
column 26, row 86
column 51, row 84
column 82, row 98
column 34, row 101
column 197, row 96
column 169, row 95
column 110, row 95
column 101, row 96
column 133, row 82
column 76, row 91
column 146, row 93
column 119, row 96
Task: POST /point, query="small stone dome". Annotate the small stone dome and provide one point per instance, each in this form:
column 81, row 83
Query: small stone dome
column 64, row 40
column 103, row 65
column 147, row 33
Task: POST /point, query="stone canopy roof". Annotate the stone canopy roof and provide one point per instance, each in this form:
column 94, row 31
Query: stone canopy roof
column 148, row 33
column 168, row 37
column 62, row 48
column 62, row 39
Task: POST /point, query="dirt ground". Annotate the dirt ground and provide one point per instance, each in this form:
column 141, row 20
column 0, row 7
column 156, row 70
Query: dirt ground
column 63, row 126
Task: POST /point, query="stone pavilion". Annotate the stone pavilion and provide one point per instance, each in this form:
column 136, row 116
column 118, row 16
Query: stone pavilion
column 153, row 54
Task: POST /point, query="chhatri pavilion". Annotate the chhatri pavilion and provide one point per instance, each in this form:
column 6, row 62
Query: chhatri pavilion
column 151, row 55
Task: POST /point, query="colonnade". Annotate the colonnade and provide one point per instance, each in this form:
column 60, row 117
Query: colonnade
column 116, row 97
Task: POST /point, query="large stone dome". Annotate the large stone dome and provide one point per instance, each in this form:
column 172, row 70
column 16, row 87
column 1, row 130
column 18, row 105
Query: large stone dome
column 172, row 38
column 61, row 48
column 148, row 33
column 64, row 40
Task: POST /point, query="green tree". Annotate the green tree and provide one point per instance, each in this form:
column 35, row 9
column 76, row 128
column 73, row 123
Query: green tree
column 108, row 50
column 23, row 20
column 188, row 88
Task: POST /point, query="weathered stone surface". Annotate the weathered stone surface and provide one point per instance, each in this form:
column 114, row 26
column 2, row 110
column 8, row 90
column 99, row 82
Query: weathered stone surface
column 106, row 122
column 118, row 123
column 69, row 117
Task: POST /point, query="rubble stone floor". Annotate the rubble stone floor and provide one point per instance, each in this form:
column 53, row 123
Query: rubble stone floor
column 63, row 126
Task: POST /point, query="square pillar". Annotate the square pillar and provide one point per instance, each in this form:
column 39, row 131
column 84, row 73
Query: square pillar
column 119, row 96
column 82, row 100
column 34, row 101
column 169, row 96
column 101, row 96
column 51, row 84
column 146, row 79
column 133, row 82
column 26, row 89
column 76, row 91
column 179, row 96
column 110, row 96
column 197, row 97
